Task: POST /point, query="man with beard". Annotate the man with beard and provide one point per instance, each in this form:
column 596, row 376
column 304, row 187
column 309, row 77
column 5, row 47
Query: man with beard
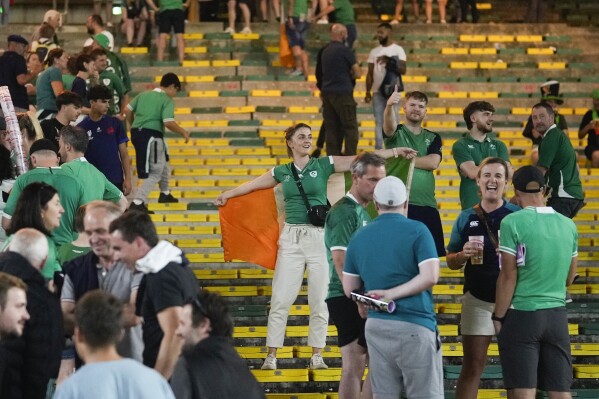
column 558, row 162
column 209, row 358
column 476, row 145
column 95, row 26
column 422, row 205
column 378, row 59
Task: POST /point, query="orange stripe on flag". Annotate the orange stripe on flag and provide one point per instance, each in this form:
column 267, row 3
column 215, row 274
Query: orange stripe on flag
column 250, row 228
column 285, row 55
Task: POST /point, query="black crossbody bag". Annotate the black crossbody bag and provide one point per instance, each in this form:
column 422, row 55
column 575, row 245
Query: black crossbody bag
column 317, row 214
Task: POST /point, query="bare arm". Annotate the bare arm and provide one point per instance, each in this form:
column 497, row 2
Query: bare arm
column 129, row 116
column 152, row 5
column 130, row 319
column 126, row 163
column 326, row 11
column 469, row 169
column 170, row 346
column 343, row 163
column 428, row 162
column 5, row 223
column 263, row 182
column 457, row 260
column 338, row 261
column 585, row 130
column 68, row 316
column 572, row 272
column 506, row 285
column 123, row 203
column 402, row 67
column 369, row 81
column 57, row 87
column 427, row 277
column 350, row 283
column 174, row 127
column 389, row 121
column 356, row 72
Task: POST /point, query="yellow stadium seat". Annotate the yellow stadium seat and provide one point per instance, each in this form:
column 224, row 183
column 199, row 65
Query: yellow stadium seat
column 192, row 230
column 259, row 161
column 225, row 63
column 153, row 206
column 305, row 352
column 162, row 230
column 253, row 151
column 200, row 79
column 217, row 151
column 454, row 51
column 250, row 332
column 281, row 375
column 240, row 110
column 134, row 50
column 463, row 65
column 253, row 352
column 222, row 161
column 196, row 50
column 501, row 38
column 483, row 94
column 272, row 49
column 203, row 93
column 484, row 6
column 552, row 65
column 196, row 63
column 473, row 38
column 483, row 51
column 157, row 217
column 204, row 243
column 448, row 308
column 580, row 111
column 442, row 289
column 455, row 111
column 266, row 93
column 215, row 274
column 586, row 371
column 448, row 330
column 256, row 273
column 185, row 217
column 414, row 79
column 190, row 172
column 453, row 94
column 493, row 65
column 529, row 38
column 246, row 36
column 241, row 290
column 520, row 111
column 367, row 123
column 441, row 124
column 539, row 51
column 331, row 374
column 436, row 111
column 183, row 111
column 303, row 110
column 585, row 349
column 300, row 310
column 277, row 122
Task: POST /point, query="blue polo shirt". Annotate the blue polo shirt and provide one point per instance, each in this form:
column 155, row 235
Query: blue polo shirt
column 387, row 253
column 105, row 135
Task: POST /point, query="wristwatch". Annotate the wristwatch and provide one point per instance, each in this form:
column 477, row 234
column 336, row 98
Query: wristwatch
column 499, row 319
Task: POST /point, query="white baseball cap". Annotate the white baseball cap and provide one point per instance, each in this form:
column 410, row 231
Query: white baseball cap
column 390, row 191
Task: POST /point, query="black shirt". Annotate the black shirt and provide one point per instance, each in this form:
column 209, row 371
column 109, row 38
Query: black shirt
column 337, row 62
column 593, row 135
column 51, row 129
column 174, row 285
column 11, row 66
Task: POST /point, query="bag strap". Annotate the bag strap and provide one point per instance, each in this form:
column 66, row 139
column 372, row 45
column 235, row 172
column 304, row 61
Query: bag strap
column 482, row 215
column 299, row 185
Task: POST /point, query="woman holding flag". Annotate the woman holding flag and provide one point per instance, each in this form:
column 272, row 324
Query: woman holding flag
column 301, row 242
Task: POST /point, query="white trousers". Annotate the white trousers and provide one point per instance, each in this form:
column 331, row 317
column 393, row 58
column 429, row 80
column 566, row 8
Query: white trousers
column 300, row 247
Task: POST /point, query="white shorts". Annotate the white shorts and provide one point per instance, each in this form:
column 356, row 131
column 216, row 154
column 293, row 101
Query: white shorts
column 476, row 316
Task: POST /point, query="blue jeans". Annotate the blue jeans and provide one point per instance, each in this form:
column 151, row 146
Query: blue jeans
column 378, row 108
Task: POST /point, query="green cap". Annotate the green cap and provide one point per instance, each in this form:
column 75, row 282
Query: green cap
column 595, row 94
column 102, row 40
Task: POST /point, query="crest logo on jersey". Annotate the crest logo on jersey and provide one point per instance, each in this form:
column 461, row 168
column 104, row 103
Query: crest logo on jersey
column 106, row 82
column 287, row 178
column 427, row 142
column 313, row 173
column 474, row 223
column 470, row 146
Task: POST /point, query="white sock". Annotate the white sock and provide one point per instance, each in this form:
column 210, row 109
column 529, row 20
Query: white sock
column 138, row 202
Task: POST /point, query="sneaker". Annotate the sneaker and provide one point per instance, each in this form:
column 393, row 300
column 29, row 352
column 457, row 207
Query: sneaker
column 322, row 21
column 230, row 30
column 140, row 208
column 317, row 362
column 270, row 363
column 246, row 31
column 296, row 72
column 394, row 22
column 167, row 198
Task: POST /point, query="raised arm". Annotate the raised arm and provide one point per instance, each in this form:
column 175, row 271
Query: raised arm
column 260, row 183
column 343, row 163
column 389, row 121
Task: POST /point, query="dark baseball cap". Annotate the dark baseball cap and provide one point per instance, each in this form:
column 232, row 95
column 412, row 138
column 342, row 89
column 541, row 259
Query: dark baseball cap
column 529, row 179
column 43, row 144
column 18, row 39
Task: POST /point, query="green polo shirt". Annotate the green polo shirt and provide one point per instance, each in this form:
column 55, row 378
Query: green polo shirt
column 557, row 155
column 343, row 220
column 70, row 191
column 544, row 243
column 152, row 109
column 52, row 265
column 115, row 85
column 300, row 8
column 426, row 142
column 344, row 12
column 117, row 66
column 170, row 5
column 469, row 149
column 314, row 178
column 96, row 186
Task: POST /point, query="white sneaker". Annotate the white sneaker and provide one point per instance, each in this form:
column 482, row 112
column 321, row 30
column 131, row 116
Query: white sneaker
column 270, row 363
column 317, row 362
column 296, row 72
column 246, row 30
column 322, row 21
column 230, row 30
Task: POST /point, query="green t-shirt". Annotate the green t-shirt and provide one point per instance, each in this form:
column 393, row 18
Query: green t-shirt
column 300, row 8
column 95, row 185
column 544, row 243
column 469, row 149
column 152, row 109
column 69, row 189
column 115, row 85
column 557, row 155
column 69, row 252
column 314, row 178
column 170, row 5
column 422, row 192
column 119, row 67
column 45, row 97
column 344, row 219
column 344, row 12
column 67, row 81
column 52, row 265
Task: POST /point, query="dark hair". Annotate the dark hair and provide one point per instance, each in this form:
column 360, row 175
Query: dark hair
column 8, row 281
column 78, row 220
column 28, row 212
column 72, row 65
column 213, row 307
column 36, row 54
column 493, row 160
column 98, row 53
column 385, row 25
column 6, row 168
column 46, row 31
column 99, row 318
column 364, row 160
column 25, row 123
column 290, row 131
column 417, row 95
column 169, row 79
column 99, row 92
column 95, row 18
column 68, row 98
column 81, row 60
column 75, row 136
column 547, row 107
column 53, row 55
column 133, row 224
column 474, row 107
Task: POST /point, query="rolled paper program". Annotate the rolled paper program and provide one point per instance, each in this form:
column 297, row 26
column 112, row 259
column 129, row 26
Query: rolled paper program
column 14, row 136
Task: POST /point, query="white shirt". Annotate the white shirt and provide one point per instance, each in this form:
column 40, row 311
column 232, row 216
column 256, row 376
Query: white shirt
column 393, row 50
column 106, row 33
